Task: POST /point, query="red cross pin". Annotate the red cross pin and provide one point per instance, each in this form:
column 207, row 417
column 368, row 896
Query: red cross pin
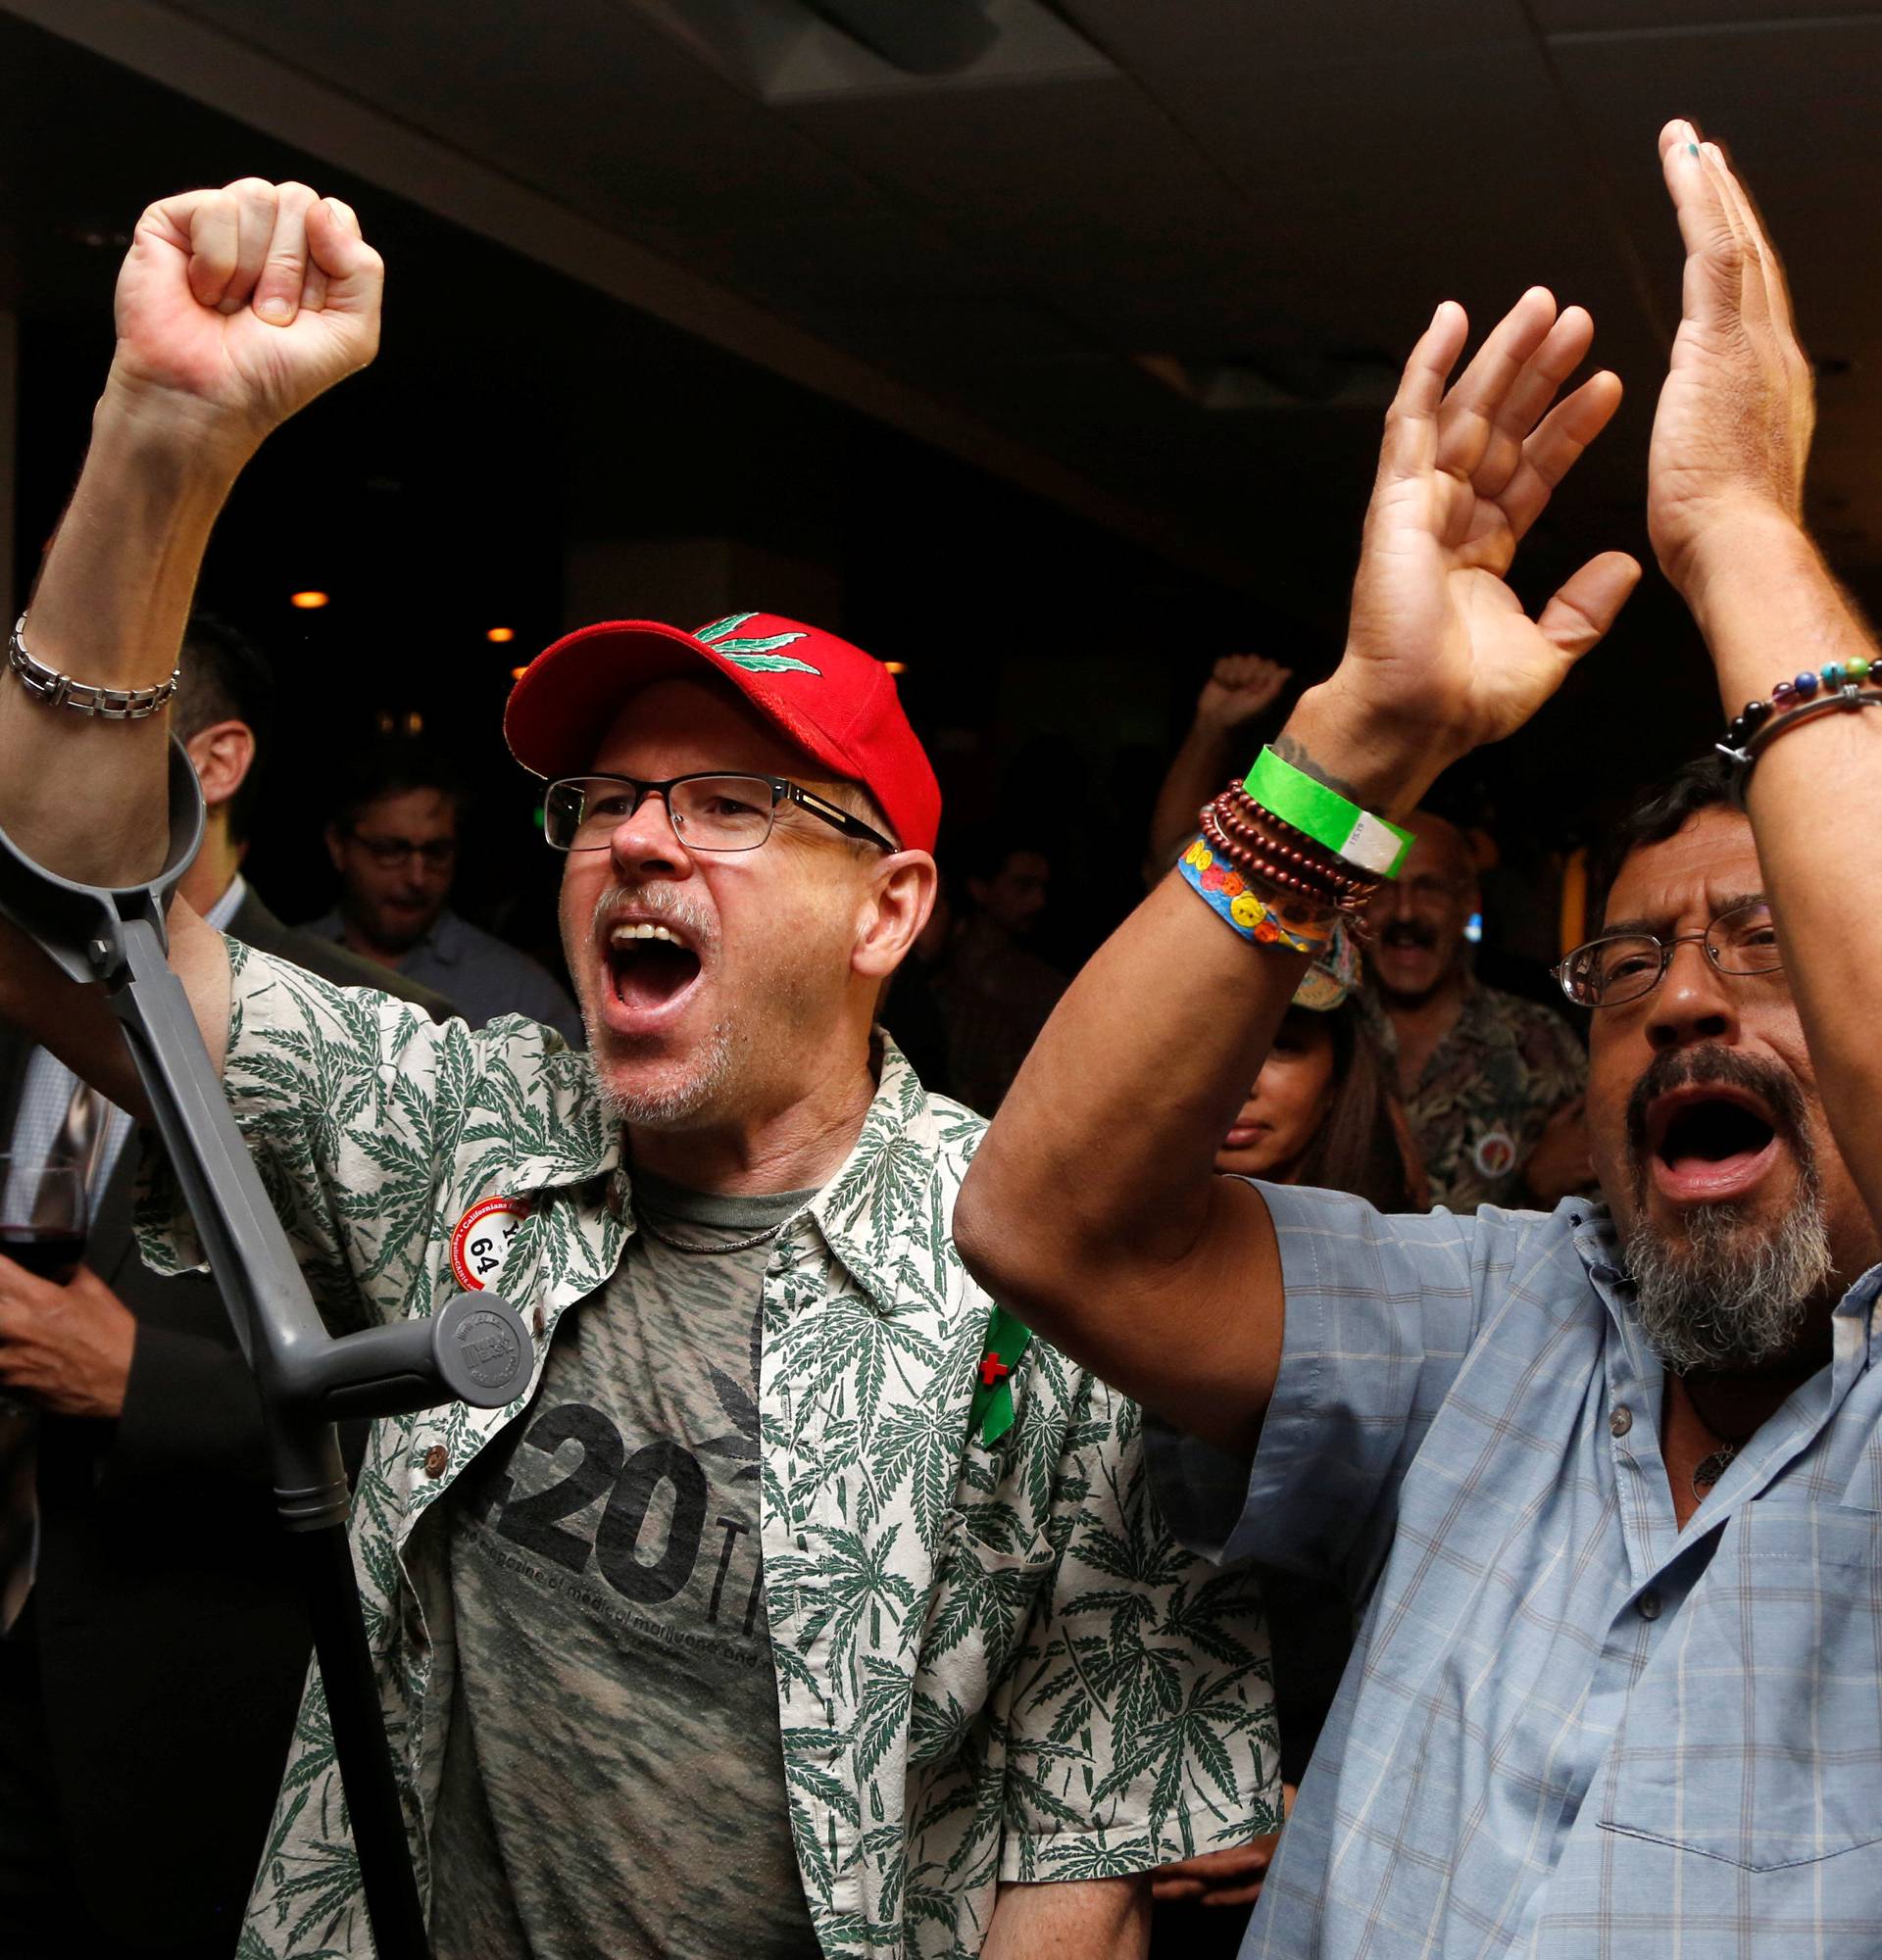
column 992, row 1368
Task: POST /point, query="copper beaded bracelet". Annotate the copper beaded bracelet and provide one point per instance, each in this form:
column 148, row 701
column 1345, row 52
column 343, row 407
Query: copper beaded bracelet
column 1242, row 815
column 1263, row 846
column 1256, row 860
column 1297, row 881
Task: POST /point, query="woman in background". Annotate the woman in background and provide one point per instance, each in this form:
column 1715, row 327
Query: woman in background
column 1321, row 1112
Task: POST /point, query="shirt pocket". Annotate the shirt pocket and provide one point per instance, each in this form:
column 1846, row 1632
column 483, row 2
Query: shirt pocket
column 984, row 1598
column 1755, row 1735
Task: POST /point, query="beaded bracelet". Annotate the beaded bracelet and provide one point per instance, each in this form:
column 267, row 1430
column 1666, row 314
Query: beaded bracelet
column 1301, row 888
column 1268, row 848
column 1807, row 694
column 1255, row 824
column 1263, row 922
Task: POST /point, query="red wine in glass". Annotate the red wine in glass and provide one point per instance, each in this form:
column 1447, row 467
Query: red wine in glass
column 42, row 1216
column 53, row 1255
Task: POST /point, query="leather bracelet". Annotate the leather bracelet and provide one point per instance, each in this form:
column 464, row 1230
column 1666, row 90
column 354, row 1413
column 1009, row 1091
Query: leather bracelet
column 1744, row 749
column 53, row 689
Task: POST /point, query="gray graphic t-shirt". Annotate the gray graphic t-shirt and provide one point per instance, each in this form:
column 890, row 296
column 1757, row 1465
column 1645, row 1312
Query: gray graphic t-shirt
column 614, row 1780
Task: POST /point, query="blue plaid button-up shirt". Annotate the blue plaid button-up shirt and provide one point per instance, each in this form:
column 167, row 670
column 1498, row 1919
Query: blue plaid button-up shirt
column 1568, row 1727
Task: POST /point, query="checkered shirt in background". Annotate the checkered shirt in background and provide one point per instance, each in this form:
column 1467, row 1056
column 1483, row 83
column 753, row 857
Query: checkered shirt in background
column 1568, row 1728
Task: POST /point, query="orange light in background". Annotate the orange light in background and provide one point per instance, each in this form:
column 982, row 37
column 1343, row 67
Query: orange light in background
column 501, row 636
column 307, row 601
column 516, row 674
column 896, row 666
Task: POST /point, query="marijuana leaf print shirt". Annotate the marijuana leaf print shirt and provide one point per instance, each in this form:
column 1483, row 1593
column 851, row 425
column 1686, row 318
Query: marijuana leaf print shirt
column 992, row 1661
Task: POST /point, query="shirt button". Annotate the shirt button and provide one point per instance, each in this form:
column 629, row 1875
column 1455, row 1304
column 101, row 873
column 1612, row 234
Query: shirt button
column 539, row 1320
column 435, row 1459
column 1621, row 1421
column 1649, row 1606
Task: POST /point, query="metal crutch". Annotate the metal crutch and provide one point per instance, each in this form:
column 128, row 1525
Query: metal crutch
column 473, row 1349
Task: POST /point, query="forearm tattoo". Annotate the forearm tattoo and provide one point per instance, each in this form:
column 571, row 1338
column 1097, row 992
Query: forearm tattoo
column 1294, row 752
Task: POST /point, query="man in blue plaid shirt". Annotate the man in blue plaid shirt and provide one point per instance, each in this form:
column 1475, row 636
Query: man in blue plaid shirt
column 1608, row 1482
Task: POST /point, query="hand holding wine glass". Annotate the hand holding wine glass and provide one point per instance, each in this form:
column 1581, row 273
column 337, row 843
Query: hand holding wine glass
column 42, row 1216
column 66, row 1338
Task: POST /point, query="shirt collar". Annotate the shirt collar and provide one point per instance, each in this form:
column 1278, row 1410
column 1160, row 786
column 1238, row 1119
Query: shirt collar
column 445, row 940
column 888, row 1174
column 573, row 1140
column 1477, row 1017
column 1856, row 1336
column 229, row 905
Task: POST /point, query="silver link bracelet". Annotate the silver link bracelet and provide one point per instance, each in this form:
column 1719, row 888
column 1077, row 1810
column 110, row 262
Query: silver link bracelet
column 57, row 690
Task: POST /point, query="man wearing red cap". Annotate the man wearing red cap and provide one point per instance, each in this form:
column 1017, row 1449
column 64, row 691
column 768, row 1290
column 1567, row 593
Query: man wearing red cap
column 803, row 1604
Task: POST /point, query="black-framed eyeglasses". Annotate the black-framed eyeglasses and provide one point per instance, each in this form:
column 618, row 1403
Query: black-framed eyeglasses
column 388, row 851
column 1625, row 967
column 709, row 811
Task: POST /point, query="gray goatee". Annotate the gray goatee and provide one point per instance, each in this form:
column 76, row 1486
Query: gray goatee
column 1728, row 1299
column 1726, row 1302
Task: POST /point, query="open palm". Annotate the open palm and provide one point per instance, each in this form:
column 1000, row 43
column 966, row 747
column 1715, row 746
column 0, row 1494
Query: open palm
column 244, row 304
column 1438, row 641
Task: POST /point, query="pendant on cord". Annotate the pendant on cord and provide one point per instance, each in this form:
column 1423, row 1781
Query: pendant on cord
column 1709, row 1469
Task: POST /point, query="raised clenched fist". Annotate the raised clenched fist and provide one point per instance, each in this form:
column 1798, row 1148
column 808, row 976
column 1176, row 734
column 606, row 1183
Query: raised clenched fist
column 1238, row 688
column 236, row 307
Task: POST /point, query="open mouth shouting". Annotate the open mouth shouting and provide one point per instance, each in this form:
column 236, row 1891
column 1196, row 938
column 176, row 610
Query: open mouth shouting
column 1709, row 1142
column 652, row 966
column 1707, row 1126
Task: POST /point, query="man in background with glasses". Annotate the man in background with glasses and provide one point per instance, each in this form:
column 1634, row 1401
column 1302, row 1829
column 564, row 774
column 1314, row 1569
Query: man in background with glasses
column 804, row 1605
column 393, row 839
column 1491, row 1083
column 1605, row 1483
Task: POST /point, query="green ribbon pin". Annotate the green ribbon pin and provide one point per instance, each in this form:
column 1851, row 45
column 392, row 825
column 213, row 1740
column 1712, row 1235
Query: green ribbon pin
column 991, row 1409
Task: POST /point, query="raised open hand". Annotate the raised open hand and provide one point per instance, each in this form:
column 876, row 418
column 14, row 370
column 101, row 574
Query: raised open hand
column 1732, row 432
column 236, row 307
column 1440, row 654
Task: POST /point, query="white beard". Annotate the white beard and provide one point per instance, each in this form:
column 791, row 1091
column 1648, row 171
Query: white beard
column 1721, row 1305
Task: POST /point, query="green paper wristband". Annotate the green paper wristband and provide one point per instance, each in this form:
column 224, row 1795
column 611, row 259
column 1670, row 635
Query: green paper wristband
column 1367, row 842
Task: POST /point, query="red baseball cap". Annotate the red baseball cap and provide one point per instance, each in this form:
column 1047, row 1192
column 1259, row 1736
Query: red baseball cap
column 829, row 698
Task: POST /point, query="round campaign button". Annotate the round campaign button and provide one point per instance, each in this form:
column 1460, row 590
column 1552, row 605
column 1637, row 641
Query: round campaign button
column 480, row 1242
column 1495, row 1155
column 490, row 1350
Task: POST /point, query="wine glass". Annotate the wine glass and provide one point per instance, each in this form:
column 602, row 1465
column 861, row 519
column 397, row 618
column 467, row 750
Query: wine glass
column 42, row 1214
column 42, row 1223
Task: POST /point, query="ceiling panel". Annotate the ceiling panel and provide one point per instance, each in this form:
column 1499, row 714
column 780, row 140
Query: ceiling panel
column 612, row 116
column 1629, row 16
column 1198, row 37
column 1083, row 194
column 1245, row 180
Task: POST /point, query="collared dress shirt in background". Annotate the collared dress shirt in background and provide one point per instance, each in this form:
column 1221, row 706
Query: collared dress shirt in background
column 46, row 1094
column 484, row 976
column 1568, row 1727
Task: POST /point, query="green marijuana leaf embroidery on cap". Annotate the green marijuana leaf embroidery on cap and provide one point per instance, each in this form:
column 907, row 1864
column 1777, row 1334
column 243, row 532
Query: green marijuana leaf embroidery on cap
column 756, row 653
